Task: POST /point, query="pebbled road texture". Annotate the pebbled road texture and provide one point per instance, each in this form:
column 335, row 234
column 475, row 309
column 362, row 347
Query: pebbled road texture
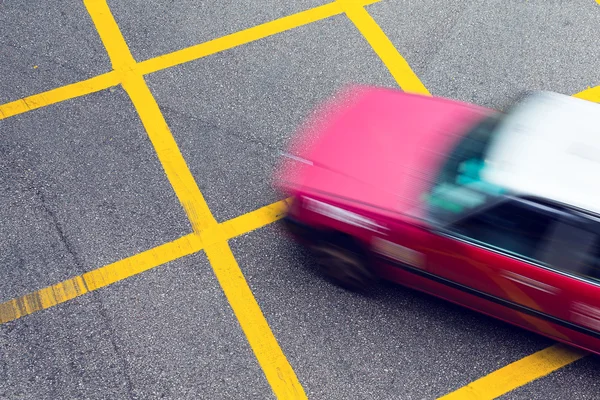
column 80, row 187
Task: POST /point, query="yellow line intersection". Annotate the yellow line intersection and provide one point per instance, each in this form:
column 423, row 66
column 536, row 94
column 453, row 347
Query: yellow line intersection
column 273, row 362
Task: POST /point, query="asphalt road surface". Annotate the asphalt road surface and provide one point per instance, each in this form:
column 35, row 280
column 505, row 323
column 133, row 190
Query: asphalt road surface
column 99, row 201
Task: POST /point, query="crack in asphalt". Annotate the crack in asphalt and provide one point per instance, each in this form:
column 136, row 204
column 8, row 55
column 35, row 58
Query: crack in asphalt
column 117, row 350
column 59, row 230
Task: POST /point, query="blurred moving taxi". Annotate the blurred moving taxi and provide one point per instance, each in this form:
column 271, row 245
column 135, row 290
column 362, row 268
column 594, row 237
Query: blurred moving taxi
column 496, row 211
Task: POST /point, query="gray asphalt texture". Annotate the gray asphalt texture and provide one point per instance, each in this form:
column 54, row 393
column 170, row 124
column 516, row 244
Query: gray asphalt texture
column 81, row 187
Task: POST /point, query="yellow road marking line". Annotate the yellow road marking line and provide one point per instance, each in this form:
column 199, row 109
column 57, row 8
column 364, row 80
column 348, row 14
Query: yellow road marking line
column 57, row 95
column 110, row 34
column 104, row 276
column 168, row 152
column 273, row 362
column 277, row 369
column 133, row 265
column 254, row 220
column 591, row 94
column 279, row 373
column 383, row 47
column 141, row 262
column 242, row 37
column 517, row 374
column 158, row 63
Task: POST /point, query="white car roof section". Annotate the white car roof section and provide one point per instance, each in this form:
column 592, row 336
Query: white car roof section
column 549, row 147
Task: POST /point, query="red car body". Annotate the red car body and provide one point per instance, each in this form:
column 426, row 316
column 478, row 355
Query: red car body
column 359, row 170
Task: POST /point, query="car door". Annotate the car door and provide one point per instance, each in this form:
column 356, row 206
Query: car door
column 402, row 254
column 572, row 253
column 489, row 257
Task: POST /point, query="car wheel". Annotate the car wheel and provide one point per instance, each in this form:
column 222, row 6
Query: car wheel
column 343, row 266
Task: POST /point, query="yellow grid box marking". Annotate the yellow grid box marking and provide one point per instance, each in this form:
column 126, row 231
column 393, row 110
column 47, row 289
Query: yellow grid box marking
column 178, row 57
column 133, row 265
column 273, row 362
column 245, row 36
column 206, row 231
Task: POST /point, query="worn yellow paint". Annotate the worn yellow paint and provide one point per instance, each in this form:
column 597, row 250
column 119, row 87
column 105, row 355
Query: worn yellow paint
column 111, row 273
column 60, row 293
column 141, row 262
column 591, row 94
column 63, row 93
column 170, row 156
column 243, row 37
column 168, row 152
column 517, row 374
column 138, row 263
column 45, row 298
column 276, row 368
column 383, row 47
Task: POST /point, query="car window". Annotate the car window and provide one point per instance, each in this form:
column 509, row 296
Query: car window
column 551, row 240
column 573, row 249
column 592, row 261
column 466, row 160
column 459, row 188
column 508, row 226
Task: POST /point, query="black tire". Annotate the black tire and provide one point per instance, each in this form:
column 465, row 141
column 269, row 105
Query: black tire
column 343, row 263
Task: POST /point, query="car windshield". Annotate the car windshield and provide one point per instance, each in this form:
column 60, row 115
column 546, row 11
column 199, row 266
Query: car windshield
column 459, row 188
